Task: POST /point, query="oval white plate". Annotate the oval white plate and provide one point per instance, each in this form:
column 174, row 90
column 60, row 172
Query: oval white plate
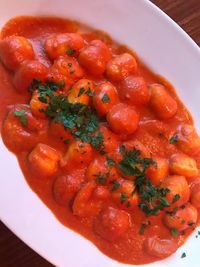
column 163, row 46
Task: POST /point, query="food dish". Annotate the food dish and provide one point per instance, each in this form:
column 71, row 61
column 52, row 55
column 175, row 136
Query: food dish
column 110, row 120
column 105, row 143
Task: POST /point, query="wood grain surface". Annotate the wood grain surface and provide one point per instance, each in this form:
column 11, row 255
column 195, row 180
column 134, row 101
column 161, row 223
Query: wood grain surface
column 13, row 252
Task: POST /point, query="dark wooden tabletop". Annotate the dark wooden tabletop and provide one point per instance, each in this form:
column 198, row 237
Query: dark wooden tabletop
column 13, row 252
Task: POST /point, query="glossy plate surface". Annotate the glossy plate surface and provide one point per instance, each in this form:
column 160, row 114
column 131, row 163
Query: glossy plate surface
column 167, row 50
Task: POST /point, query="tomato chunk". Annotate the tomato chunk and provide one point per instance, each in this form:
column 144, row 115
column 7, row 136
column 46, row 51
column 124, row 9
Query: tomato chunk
column 181, row 164
column 105, row 97
column 101, row 171
column 65, row 43
column 67, row 69
column 195, row 193
column 94, row 57
column 164, row 106
column 28, row 71
column 14, row 50
column 134, row 91
column 123, row 119
column 36, row 105
column 44, row 159
column 160, row 248
column 121, row 66
column 78, row 154
column 179, row 190
column 110, row 140
column 86, row 203
column 112, row 223
column 159, row 172
column 183, row 218
column 66, row 186
column 124, row 194
column 58, row 130
column 81, row 92
column 188, row 139
column 21, row 130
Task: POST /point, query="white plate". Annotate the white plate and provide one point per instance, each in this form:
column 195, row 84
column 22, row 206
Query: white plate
column 167, row 50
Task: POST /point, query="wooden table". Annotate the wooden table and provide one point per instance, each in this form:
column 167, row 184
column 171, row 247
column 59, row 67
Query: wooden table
column 13, row 252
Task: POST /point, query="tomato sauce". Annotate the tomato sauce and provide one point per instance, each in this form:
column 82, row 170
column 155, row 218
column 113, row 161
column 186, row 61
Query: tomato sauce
column 153, row 132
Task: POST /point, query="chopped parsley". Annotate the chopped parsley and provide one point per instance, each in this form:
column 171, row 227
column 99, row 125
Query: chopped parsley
column 115, row 184
column 183, row 255
column 81, row 91
column 122, row 149
column 173, row 212
column 176, row 198
column 152, row 198
column 174, row 232
column 69, row 64
column 105, row 98
column 72, row 71
column 22, row 116
column 97, row 141
column 89, row 92
column 173, row 139
column 102, row 152
column 161, row 134
column 101, row 178
column 143, row 227
column 70, row 51
column 124, row 197
column 80, row 119
column 110, row 162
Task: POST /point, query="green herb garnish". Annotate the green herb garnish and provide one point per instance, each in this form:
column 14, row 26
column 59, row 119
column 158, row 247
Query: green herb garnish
column 152, row 198
column 124, row 197
column 101, row 178
column 115, row 184
column 22, row 116
column 89, row 92
column 81, row 91
column 173, row 139
column 110, row 162
column 105, row 98
column 70, row 51
column 176, row 198
column 183, row 255
column 174, row 232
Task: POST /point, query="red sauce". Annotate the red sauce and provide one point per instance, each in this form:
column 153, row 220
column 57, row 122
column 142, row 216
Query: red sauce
column 154, row 132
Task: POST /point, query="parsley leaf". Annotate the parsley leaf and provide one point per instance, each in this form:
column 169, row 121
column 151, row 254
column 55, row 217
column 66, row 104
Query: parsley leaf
column 101, row 178
column 115, row 184
column 89, row 92
column 81, row 91
column 176, row 198
column 124, row 197
column 174, row 232
column 173, row 139
column 110, row 162
column 142, row 228
column 70, row 51
column 105, row 98
column 183, row 255
column 152, row 198
column 22, row 115
column 161, row 134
